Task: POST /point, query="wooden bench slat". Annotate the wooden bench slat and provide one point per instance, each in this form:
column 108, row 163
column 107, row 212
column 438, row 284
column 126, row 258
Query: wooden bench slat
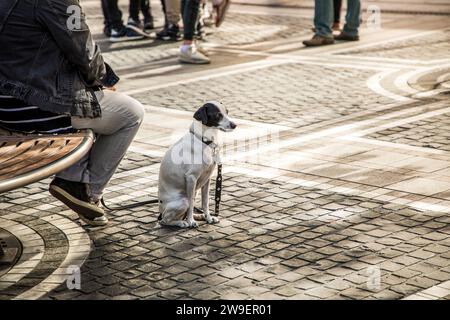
column 25, row 150
column 32, row 159
column 39, row 156
column 30, row 149
column 11, row 152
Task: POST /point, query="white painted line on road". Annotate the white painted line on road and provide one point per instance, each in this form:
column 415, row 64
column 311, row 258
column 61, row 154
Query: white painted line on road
column 215, row 73
column 315, row 60
column 151, row 72
column 394, row 145
column 401, row 122
column 274, row 173
column 374, row 44
column 401, row 82
column 189, row 114
column 398, row 62
column 374, row 83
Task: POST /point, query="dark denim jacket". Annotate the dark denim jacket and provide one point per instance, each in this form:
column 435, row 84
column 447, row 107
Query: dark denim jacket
column 45, row 63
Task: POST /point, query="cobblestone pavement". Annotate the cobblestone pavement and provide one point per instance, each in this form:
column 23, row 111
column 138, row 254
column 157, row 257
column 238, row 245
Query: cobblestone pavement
column 244, row 29
column 278, row 94
column 336, row 182
column 438, row 46
column 422, row 133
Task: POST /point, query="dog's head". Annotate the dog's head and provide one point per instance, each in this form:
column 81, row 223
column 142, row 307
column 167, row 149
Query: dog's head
column 214, row 115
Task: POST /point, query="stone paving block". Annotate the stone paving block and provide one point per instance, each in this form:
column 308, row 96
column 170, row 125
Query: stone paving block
column 438, row 276
column 339, row 285
column 421, row 254
column 355, row 293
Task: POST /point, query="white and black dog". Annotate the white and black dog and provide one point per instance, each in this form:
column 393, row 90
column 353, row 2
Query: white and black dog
column 188, row 165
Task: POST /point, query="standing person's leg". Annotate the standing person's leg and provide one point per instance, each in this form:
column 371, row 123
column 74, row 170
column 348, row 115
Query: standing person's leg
column 188, row 51
column 171, row 31
column 337, row 7
column 221, row 8
column 134, row 23
column 199, row 32
column 352, row 21
column 115, row 130
column 133, row 9
column 173, row 11
column 323, row 19
column 106, row 21
column 163, row 6
column 190, row 10
column 118, row 32
column 114, row 15
column 146, row 10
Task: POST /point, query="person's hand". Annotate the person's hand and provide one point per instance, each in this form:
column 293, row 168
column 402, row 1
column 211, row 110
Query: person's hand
column 113, row 88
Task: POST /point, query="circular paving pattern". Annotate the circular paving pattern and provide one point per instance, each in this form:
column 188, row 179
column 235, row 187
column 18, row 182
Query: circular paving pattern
column 11, row 249
column 47, row 246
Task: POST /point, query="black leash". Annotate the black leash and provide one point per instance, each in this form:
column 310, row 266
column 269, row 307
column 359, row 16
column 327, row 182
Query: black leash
column 217, row 197
column 129, row 206
column 218, row 192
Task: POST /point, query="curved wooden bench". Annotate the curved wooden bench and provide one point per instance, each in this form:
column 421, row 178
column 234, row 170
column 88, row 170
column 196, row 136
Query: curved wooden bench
column 25, row 159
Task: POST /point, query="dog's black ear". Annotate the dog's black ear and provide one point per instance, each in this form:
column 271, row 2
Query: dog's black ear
column 201, row 115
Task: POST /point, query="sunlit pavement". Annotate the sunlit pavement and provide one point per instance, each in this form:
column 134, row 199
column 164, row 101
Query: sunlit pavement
column 336, row 182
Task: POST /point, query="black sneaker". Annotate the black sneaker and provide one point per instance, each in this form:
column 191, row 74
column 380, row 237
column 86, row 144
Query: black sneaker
column 172, row 33
column 107, row 31
column 148, row 25
column 75, row 196
column 125, row 34
column 135, row 25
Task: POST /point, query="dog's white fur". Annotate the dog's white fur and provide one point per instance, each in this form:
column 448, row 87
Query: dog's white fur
column 182, row 174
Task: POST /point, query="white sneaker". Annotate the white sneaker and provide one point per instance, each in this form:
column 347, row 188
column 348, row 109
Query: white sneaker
column 190, row 54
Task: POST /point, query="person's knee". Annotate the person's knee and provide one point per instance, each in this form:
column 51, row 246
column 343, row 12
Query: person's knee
column 138, row 111
column 134, row 110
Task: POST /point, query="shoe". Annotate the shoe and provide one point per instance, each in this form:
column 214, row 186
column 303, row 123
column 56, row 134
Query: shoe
column 148, row 25
column 318, row 41
column 193, row 56
column 135, row 24
column 221, row 10
column 202, row 50
column 107, row 31
column 125, row 34
column 346, row 37
column 171, row 33
column 75, row 196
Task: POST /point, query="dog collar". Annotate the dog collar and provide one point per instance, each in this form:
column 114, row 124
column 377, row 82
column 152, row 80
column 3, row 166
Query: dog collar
column 209, row 143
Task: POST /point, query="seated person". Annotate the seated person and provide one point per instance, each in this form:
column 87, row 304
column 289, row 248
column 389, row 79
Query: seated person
column 53, row 79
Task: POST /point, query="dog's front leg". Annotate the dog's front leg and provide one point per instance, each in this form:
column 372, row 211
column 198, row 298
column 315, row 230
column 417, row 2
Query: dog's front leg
column 205, row 204
column 191, row 182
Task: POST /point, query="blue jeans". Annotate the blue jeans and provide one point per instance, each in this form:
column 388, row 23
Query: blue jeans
column 324, row 16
